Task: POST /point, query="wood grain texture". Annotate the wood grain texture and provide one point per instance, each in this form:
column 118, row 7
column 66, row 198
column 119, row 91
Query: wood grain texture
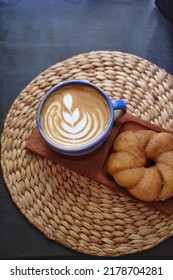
column 94, row 165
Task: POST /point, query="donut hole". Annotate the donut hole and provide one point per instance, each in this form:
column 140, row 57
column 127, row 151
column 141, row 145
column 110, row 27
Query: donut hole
column 149, row 163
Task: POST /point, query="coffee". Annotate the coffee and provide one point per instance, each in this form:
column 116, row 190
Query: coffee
column 74, row 116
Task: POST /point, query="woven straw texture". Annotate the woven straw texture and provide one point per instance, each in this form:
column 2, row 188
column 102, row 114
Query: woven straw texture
column 69, row 208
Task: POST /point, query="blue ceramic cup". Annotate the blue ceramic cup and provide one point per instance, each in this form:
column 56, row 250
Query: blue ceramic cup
column 63, row 122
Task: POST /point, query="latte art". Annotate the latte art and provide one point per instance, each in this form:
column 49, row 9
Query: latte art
column 74, row 116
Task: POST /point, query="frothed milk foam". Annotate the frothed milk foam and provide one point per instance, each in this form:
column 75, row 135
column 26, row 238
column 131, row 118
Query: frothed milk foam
column 74, row 116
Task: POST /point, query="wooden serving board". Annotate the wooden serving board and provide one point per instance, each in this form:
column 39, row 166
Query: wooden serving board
column 94, row 165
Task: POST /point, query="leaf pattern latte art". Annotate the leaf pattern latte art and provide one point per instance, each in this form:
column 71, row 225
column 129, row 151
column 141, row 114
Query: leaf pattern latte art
column 71, row 125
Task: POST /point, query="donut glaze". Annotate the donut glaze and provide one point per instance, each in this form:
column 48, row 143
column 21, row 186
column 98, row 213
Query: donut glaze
column 142, row 162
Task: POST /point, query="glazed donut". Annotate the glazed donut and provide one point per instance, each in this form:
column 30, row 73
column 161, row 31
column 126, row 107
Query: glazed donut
column 142, row 162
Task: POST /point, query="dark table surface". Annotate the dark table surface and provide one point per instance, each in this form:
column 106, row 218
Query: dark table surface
column 35, row 35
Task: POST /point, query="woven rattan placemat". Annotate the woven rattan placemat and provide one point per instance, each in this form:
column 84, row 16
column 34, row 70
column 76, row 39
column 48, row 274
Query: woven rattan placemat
column 67, row 207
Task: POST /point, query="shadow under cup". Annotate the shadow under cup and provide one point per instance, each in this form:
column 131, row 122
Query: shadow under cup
column 75, row 117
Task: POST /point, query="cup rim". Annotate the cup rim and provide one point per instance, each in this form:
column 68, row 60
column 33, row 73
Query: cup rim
column 84, row 147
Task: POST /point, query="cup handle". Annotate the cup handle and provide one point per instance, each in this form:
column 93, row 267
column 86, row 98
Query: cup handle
column 120, row 108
